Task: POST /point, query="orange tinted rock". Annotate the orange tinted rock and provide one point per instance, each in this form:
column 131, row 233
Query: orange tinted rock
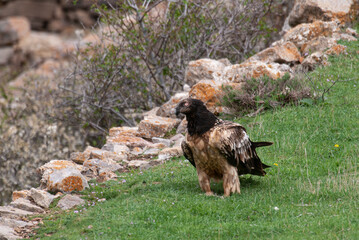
column 168, row 108
column 116, row 131
column 317, row 44
column 285, row 52
column 306, row 32
column 156, row 126
column 305, row 11
column 20, row 194
column 314, row 60
column 129, row 141
column 204, row 69
column 336, row 50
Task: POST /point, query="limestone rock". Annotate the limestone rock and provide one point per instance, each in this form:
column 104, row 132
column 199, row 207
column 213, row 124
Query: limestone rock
column 345, row 37
column 13, row 29
column 41, row 197
column 203, row 69
column 171, row 152
column 62, row 175
column 105, row 164
column 240, row 72
column 182, row 127
column 314, row 60
column 8, row 233
column 352, row 32
column 26, row 205
column 317, row 45
column 336, row 50
column 285, row 52
column 168, row 108
column 13, row 223
column 177, row 139
column 139, row 164
column 70, row 201
column 130, row 141
column 306, row 11
column 5, row 54
column 105, row 176
column 306, row 32
column 14, row 213
column 156, row 126
column 166, row 142
column 20, row 194
column 129, row 131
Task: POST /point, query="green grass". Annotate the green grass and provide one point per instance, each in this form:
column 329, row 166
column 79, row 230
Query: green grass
column 312, row 194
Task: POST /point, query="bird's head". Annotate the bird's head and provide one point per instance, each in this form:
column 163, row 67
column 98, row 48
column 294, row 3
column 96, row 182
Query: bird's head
column 188, row 106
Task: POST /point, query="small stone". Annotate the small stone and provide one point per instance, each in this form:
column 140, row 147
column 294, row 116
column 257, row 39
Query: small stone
column 166, row 142
column 104, row 176
column 156, row 126
column 41, row 197
column 103, row 164
column 70, row 201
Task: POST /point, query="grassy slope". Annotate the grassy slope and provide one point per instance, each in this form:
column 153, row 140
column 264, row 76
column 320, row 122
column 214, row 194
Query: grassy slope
column 312, row 194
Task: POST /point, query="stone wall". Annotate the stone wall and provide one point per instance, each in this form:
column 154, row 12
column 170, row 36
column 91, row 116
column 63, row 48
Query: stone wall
column 51, row 15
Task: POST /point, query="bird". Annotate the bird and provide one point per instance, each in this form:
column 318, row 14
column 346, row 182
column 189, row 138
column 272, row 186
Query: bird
column 218, row 149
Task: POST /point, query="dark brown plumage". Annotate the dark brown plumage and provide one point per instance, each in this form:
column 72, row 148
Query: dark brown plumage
column 218, row 149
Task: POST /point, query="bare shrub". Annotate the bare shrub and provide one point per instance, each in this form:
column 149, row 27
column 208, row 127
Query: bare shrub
column 146, row 46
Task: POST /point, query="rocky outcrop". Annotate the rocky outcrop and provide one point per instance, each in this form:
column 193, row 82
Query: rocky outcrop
column 307, row 11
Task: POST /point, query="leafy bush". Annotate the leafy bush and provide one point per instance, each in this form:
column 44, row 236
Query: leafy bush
column 145, row 48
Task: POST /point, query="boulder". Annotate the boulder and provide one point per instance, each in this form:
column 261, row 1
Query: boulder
column 156, row 126
column 285, row 52
column 26, row 205
column 41, row 197
column 13, row 29
column 306, row 11
column 62, row 175
column 8, row 233
column 306, row 32
column 204, row 69
column 168, row 108
column 70, row 201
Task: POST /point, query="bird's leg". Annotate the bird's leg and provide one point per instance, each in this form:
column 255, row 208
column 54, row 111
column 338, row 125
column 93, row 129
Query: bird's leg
column 231, row 182
column 204, row 182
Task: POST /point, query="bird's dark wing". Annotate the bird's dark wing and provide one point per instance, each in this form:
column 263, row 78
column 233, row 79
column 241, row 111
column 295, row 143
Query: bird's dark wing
column 235, row 145
column 187, row 152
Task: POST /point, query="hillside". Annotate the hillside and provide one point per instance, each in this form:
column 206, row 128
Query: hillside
column 310, row 192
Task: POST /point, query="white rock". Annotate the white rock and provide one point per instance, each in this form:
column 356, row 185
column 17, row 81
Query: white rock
column 26, row 205
column 70, row 201
column 41, row 197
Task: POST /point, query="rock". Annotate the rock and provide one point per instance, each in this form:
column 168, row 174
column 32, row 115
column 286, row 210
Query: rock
column 78, row 157
column 203, row 69
column 171, row 152
column 306, row 11
column 5, row 55
column 151, row 152
column 306, row 32
column 116, row 131
column 317, row 45
column 168, row 108
column 336, row 50
column 105, row 164
column 105, row 176
column 70, row 201
column 13, row 29
column 41, row 197
column 139, row 164
column 166, row 142
column 314, row 60
column 352, row 32
column 20, row 194
column 177, row 139
column 14, row 213
column 136, row 151
column 182, row 127
column 240, row 72
column 62, row 175
column 285, row 52
column 345, row 37
column 8, row 233
column 129, row 141
column 103, row 154
column 41, row 45
column 14, row 223
column 156, row 126
column 47, row 71
column 26, row 205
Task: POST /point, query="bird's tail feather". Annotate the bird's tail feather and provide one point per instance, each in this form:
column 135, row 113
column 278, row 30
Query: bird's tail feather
column 261, row 144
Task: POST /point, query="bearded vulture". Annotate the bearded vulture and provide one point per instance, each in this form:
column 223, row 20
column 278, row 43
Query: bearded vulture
column 218, row 149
